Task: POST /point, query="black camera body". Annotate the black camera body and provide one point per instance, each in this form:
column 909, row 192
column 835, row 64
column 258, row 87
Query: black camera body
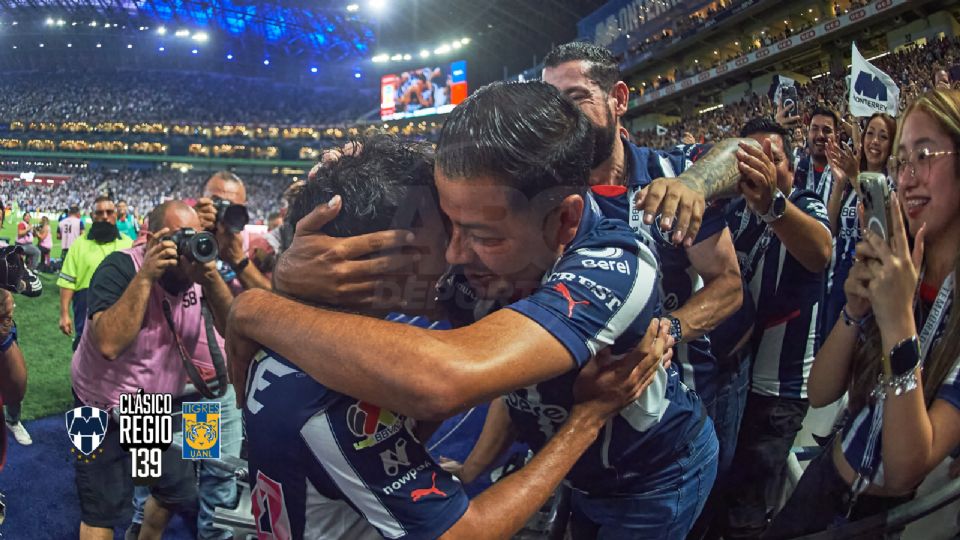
column 234, row 216
column 200, row 247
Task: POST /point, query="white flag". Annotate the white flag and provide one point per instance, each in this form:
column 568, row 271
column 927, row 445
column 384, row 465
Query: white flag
column 662, row 130
column 871, row 90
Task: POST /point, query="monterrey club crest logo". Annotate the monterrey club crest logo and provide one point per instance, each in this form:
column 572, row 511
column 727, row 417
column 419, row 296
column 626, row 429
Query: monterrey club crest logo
column 86, row 427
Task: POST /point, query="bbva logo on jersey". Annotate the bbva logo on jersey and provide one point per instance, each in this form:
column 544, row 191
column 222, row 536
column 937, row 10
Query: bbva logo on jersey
column 87, row 427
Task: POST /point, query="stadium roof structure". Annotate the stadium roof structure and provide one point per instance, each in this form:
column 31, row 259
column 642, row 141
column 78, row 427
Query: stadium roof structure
column 315, row 33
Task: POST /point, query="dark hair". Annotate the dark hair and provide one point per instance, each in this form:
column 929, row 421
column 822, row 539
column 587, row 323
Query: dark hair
column 762, row 124
column 273, row 216
column 527, row 135
column 102, row 198
column 820, row 110
column 891, row 126
column 602, row 68
column 374, row 185
column 74, row 209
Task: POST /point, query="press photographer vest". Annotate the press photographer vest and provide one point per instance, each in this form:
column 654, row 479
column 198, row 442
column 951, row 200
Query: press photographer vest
column 151, row 362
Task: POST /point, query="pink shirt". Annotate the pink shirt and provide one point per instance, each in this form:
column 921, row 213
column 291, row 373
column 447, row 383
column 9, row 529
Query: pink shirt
column 48, row 241
column 69, row 231
column 151, row 362
column 28, row 239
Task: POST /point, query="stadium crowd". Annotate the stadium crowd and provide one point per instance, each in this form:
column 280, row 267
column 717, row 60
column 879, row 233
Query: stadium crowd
column 169, row 97
column 141, row 189
column 913, row 70
column 653, row 318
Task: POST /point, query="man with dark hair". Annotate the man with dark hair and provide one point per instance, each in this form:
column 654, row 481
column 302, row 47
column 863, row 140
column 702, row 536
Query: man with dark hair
column 25, row 241
column 85, row 255
column 126, row 223
column 512, row 173
column 783, row 243
column 813, row 171
column 700, row 279
column 387, row 185
column 69, row 228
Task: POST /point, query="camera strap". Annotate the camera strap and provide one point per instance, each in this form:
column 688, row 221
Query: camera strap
column 219, row 384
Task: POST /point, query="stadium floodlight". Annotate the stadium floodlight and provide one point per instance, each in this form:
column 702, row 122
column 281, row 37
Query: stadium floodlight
column 443, row 49
column 194, row 51
column 99, row 45
column 424, row 54
column 201, row 37
column 162, row 30
column 380, row 58
column 14, row 23
column 396, row 57
column 61, row 22
column 229, row 57
column 352, row 8
column 183, row 32
column 93, row 24
column 456, row 45
column 106, row 25
column 69, row 45
column 357, row 75
column 129, row 45
column 407, row 57
column 378, row 5
column 465, row 41
column 74, row 23
column 161, row 49
column 266, row 62
column 49, row 21
column 14, row 46
column 314, row 70
column 41, row 45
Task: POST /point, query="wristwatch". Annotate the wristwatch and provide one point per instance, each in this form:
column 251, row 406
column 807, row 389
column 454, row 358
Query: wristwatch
column 778, row 206
column 240, row 266
column 675, row 329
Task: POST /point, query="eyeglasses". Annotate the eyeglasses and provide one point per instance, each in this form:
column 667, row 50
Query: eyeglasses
column 920, row 164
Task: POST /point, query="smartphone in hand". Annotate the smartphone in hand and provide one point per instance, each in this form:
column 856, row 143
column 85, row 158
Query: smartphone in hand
column 875, row 194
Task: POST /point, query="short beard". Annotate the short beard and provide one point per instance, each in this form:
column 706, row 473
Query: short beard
column 604, row 139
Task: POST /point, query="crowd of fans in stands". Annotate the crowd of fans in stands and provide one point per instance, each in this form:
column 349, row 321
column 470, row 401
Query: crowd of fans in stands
column 170, row 97
column 142, row 190
column 909, row 68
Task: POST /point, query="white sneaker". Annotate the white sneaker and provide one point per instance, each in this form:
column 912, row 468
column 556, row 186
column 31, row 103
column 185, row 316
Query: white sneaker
column 20, row 433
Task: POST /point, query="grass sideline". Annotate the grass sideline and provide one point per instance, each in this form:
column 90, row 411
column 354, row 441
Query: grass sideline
column 46, row 350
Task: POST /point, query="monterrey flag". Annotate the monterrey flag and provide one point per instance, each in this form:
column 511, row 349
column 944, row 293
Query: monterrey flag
column 871, row 90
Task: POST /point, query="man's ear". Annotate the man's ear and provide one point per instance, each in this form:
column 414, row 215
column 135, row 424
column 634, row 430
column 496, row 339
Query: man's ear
column 562, row 223
column 622, row 93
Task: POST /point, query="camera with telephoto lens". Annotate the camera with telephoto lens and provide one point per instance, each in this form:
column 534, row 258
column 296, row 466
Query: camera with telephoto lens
column 200, row 247
column 234, row 216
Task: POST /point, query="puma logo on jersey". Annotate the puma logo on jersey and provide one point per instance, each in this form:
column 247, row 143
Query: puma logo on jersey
column 571, row 303
column 418, row 494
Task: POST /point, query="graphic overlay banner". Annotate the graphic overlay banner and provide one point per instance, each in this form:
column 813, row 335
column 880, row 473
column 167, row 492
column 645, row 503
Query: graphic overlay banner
column 146, row 431
column 871, row 90
column 424, row 91
column 201, row 430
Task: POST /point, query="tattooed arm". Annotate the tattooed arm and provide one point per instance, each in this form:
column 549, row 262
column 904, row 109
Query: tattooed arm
column 712, row 177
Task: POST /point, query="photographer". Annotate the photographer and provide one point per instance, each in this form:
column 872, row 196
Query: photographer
column 25, row 240
column 131, row 344
column 222, row 212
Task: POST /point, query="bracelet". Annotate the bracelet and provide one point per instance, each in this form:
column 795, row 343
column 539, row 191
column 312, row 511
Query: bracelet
column 849, row 320
column 241, row 266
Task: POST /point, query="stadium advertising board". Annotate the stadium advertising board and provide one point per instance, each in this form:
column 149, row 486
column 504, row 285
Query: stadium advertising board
column 424, row 91
column 787, row 44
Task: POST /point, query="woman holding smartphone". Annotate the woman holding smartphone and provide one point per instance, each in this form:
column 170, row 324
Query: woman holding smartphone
column 897, row 346
column 874, row 153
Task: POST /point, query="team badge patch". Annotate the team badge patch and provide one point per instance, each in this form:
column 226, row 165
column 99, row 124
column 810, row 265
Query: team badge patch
column 87, row 427
column 201, row 430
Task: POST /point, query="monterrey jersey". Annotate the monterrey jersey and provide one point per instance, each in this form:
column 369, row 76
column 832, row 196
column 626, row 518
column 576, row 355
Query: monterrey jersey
column 863, row 454
column 786, row 296
column 309, row 444
column 807, row 177
column 678, row 280
column 602, row 293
